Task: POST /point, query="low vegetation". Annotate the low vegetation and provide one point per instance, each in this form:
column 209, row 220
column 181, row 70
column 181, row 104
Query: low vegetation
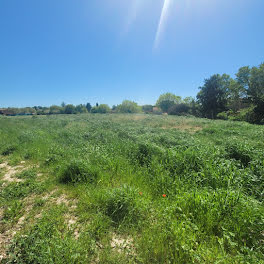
column 135, row 188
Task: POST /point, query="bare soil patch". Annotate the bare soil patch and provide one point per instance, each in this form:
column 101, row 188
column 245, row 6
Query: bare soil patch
column 10, row 172
column 122, row 244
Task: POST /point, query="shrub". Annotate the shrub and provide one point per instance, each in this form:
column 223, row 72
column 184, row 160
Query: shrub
column 222, row 115
column 78, row 171
column 246, row 114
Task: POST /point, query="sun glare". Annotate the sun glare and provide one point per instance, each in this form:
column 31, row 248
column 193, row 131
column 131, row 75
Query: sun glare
column 162, row 21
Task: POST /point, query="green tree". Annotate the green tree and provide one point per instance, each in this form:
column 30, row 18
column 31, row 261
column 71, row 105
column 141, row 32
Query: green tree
column 167, row 100
column 236, row 93
column 243, row 77
column 256, row 91
column 70, row 109
column 256, row 84
column 188, row 100
column 213, row 95
column 101, row 109
column 88, row 107
column 81, row 109
column 128, row 107
column 55, row 109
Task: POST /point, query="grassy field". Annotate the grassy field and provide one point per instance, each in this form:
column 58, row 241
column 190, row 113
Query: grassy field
column 130, row 189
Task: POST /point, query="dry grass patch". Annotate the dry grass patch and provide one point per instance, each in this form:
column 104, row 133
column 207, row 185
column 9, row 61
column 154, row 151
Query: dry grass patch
column 122, row 244
column 10, row 172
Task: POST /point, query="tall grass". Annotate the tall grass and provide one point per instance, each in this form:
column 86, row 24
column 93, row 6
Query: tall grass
column 186, row 190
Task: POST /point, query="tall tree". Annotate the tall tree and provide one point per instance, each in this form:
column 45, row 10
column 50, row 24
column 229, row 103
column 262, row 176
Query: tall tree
column 88, row 107
column 101, row 109
column 70, row 109
column 243, row 77
column 236, row 92
column 55, row 109
column 167, row 100
column 128, row 107
column 213, row 95
column 256, row 91
column 81, row 108
column 256, row 87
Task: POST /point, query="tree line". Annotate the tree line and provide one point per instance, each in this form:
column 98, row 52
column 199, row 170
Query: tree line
column 240, row 98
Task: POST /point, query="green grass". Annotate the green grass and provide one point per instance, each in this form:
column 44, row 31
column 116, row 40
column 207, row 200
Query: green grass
column 183, row 189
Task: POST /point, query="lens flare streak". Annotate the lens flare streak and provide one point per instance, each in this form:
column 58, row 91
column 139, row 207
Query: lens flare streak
column 162, row 21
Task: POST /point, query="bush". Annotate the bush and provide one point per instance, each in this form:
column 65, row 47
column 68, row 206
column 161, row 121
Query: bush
column 246, row 114
column 78, row 171
column 222, row 115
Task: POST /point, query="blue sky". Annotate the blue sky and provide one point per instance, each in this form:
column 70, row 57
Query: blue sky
column 108, row 50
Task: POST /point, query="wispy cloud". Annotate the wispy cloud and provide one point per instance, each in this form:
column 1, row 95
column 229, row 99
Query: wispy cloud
column 162, row 22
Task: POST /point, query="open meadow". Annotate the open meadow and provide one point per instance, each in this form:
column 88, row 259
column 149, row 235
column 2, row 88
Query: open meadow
column 120, row 188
